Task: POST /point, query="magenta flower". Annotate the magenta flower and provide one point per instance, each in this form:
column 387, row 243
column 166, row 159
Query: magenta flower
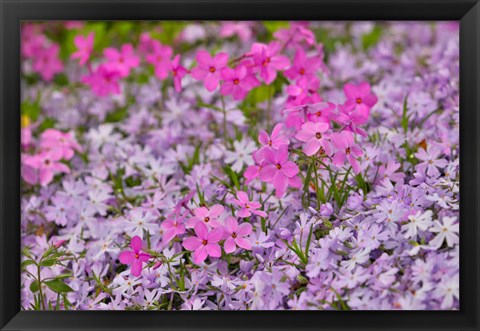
column 360, row 100
column 346, row 149
column 315, row 137
column 121, row 61
column 247, row 207
column 178, row 72
column 238, row 82
column 205, row 243
column 103, row 81
column 136, row 257
column 236, row 235
column 172, row 227
column 304, row 68
column 253, row 171
column 84, row 47
column 278, row 169
column 321, row 112
column 267, row 61
column 207, row 216
column 64, row 142
column 276, row 140
column 160, row 58
column 209, row 68
column 47, row 62
column 46, row 165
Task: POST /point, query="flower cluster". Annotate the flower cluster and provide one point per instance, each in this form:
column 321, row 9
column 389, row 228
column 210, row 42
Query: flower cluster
column 240, row 165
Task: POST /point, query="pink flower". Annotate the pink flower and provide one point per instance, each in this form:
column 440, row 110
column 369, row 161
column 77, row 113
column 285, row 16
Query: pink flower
column 43, row 166
column 315, row 137
column 276, row 140
column 178, row 73
column 253, row 171
column 267, row 61
column 160, row 58
column 207, row 216
column 236, row 235
column 122, row 61
column 64, row 142
column 237, row 82
column 205, row 243
column 359, row 100
column 84, row 47
column 304, row 69
column 278, row 170
column 321, row 112
column 47, row 62
column 172, row 227
column 346, row 149
column 103, row 81
column 209, row 68
column 241, row 29
column 247, row 207
column 303, row 93
column 136, row 257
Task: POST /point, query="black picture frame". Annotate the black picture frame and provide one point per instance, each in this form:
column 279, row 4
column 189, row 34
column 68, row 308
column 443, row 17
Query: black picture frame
column 14, row 11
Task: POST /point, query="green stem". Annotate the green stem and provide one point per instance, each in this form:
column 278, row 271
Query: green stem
column 40, row 291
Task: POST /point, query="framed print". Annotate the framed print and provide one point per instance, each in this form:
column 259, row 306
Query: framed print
column 239, row 165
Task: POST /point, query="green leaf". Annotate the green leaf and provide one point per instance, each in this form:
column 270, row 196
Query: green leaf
column 117, row 115
column 372, row 38
column 405, row 118
column 48, row 123
column 32, row 110
column 58, row 286
column 48, row 262
column 233, row 176
column 34, row 287
column 26, row 263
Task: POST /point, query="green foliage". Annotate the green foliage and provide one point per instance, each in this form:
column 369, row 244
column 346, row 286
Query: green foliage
column 58, row 286
column 373, row 37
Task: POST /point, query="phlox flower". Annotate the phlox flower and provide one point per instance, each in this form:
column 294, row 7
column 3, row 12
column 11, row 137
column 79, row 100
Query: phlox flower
column 316, row 138
column 136, row 257
column 43, row 166
column 419, row 221
column 160, row 57
column 359, row 100
column 121, row 61
column 267, row 60
column 63, row 141
column 253, row 171
column 172, row 227
column 431, row 161
column 47, row 62
column 321, row 112
column 209, row 216
column 238, row 82
column 276, row 140
column 103, row 81
column 178, row 72
column 304, row 68
column 209, row 68
column 84, row 47
column 242, row 155
column 446, row 230
column 241, row 29
column 205, row 243
column 278, row 170
column 346, row 149
column 236, row 234
column 247, row 207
